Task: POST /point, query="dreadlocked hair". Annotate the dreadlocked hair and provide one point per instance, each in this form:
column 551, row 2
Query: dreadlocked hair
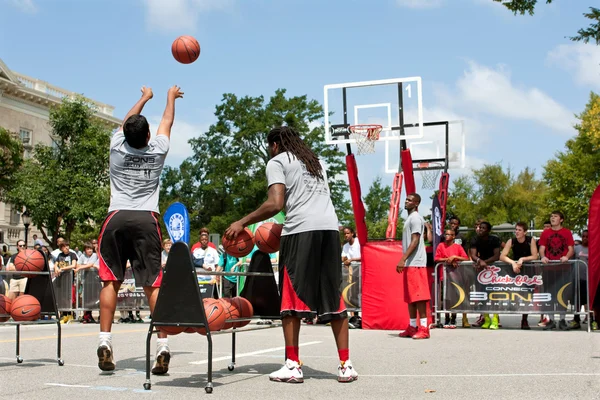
column 289, row 141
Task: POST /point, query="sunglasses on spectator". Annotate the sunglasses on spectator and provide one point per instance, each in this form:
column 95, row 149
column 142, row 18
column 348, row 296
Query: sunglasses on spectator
column 21, row 245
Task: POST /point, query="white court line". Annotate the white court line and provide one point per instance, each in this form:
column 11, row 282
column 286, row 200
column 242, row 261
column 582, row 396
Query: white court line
column 65, row 385
column 253, row 353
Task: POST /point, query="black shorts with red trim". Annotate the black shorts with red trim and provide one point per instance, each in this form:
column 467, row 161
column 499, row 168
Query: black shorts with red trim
column 135, row 236
column 310, row 275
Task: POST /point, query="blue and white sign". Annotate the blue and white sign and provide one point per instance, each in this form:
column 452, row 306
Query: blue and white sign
column 177, row 221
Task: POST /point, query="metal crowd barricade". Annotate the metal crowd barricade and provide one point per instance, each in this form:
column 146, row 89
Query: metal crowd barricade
column 351, row 286
column 63, row 289
column 88, row 286
column 553, row 288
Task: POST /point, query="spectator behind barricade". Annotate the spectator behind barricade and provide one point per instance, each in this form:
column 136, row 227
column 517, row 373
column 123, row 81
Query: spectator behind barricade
column 46, row 252
column 205, row 257
column 88, row 262
column 204, row 231
column 3, row 284
column 459, row 238
column 485, row 250
column 77, row 252
column 95, row 245
column 167, row 243
column 5, row 254
column 37, row 241
column 428, row 241
column 66, row 261
column 556, row 244
column 56, row 251
column 229, row 263
column 543, row 321
column 523, row 249
column 351, row 248
column 581, row 253
column 17, row 282
column 451, row 253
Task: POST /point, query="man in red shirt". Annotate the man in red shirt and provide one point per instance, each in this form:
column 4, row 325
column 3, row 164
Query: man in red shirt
column 451, row 253
column 556, row 244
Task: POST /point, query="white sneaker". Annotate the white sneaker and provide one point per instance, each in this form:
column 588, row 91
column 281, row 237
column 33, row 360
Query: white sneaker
column 346, row 372
column 105, row 356
column 161, row 362
column 291, row 372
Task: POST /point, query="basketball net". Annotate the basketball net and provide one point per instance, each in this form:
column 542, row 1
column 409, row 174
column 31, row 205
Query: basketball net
column 365, row 137
column 429, row 177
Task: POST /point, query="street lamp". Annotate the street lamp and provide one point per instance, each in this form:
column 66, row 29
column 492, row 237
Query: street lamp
column 26, row 217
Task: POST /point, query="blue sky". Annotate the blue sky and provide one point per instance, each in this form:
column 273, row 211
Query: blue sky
column 516, row 81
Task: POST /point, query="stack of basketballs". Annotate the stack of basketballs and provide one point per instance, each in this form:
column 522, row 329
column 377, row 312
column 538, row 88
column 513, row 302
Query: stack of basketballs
column 24, row 307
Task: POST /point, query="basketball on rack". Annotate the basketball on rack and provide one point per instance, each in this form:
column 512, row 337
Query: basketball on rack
column 5, row 306
column 245, row 309
column 30, row 261
column 215, row 315
column 185, row 49
column 267, row 237
column 241, row 246
column 171, row 330
column 231, row 312
column 25, row 308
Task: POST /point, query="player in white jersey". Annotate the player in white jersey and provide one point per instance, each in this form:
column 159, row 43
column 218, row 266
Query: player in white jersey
column 131, row 232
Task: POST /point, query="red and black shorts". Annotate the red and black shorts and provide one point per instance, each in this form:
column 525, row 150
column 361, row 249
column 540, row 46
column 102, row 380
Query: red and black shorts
column 135, row 236
column 310, row 275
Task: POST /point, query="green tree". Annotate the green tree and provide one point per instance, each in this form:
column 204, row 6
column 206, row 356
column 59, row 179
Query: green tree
column 592, row 32
column 225, row 178
column 11, row 158
column 377, row 205
column 497, row 196
column 573, row 175
column 66, row 184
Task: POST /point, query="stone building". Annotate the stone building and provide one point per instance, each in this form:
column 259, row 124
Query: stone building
column 24, row 108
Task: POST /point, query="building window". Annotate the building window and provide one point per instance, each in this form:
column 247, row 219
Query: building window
column 1, row 237
column 15, row 216
column 25, row 136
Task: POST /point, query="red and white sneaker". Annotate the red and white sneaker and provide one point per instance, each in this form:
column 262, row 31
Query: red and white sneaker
column 544, row 322
column 409, row 332
column 422, row 333
column 346, row 372
column 291, row 372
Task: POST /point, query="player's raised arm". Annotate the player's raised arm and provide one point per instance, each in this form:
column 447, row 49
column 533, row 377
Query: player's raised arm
column 169, row 115
column 139, row 106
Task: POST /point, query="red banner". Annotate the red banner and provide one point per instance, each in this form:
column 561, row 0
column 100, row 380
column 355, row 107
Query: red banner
column 594, row 245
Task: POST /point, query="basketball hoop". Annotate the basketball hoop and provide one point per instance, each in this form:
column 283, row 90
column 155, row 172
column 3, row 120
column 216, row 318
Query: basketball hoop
column 365, row 137
column 430, row 175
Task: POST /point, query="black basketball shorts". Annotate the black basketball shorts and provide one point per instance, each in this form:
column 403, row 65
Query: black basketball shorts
column 135, row 236
column 310, row 274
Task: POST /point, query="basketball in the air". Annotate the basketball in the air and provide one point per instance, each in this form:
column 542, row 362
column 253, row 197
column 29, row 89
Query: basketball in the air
column 30, row 261
column 231, row 312
column 5, row 306
column 25, row 308
column 267, row 237
column 215, row 315
column 241, row 246
column 185, row 49
column 244, row 308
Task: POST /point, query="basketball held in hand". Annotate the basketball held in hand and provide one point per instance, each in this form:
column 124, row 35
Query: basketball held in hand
column 185, row 49
column 241, row 246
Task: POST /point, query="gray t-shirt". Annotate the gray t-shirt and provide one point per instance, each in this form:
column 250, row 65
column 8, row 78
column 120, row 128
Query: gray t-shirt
column 581, row 253
column 414, row 224
column 135, row 173
column 308, row 205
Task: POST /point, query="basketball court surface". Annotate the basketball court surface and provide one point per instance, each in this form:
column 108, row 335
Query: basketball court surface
column 453, row 364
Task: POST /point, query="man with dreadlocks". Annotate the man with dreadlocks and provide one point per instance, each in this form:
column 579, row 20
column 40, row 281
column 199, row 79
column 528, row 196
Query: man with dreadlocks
column 309, row 257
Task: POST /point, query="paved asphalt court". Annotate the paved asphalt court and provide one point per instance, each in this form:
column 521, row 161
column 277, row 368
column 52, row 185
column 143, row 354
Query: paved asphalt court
column 453, row 364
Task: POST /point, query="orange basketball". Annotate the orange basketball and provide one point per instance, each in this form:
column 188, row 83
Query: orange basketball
column 241, row 246
column 231, row 312
column 215, row 315
column 5, row 307
column 30, row 260
column 171, row 330
column 25, row 308
column 267, row 237
column 185, row 49
column 244, row 308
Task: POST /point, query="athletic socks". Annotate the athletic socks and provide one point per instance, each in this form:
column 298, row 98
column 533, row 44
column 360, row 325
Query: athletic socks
column 413, row 322
column 105, row 337
column 424, row 322
column 344, row 354
column 292, row 353
column 162, row 341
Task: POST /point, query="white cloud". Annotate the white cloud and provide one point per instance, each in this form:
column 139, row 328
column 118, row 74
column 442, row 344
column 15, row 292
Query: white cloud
column 581, row 60
column 27, row 6
column 419, row 3
column 181, row 132
column 181, row 15
column 492, row 91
